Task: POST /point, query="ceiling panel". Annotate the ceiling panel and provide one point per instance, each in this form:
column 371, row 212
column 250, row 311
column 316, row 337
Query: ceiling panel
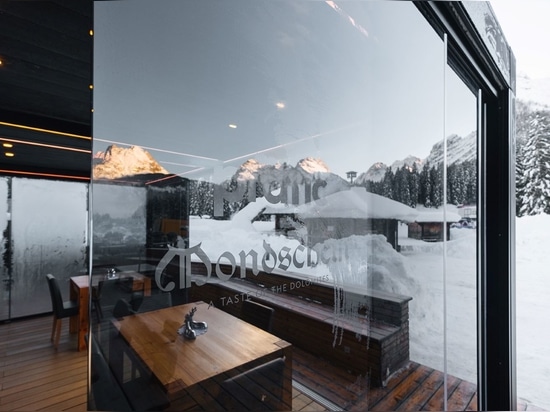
column 45, row 76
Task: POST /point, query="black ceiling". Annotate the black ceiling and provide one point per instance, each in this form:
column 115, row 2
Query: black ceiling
column 45, row 77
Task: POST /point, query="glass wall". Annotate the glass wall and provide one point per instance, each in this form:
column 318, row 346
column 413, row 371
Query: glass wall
column 316, row 158
column 43, row 231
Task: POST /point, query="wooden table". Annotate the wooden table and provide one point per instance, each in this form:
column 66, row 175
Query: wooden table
column 79, row 291
column 193, row 368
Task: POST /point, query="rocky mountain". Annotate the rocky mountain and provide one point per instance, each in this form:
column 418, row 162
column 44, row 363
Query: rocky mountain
column 375, row 174
column 312, row 165
column 117, row 162
column 306, row 171
column 377, row 171
column 459, row 149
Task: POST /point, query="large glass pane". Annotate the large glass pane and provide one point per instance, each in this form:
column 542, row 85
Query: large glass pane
column 49, row 236
column 287, row 153
column 461, row 248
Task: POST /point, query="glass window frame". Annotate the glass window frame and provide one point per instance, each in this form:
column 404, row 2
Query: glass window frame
column 470, row 56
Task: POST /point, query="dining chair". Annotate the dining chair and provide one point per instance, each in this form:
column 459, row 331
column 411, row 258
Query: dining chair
column 258, row 315
column 106, row 392
column 136, row 380
column 61, row 309
column 155, row 301
column 109, row 294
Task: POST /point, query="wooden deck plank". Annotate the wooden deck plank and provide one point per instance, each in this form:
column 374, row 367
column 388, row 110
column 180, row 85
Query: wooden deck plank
column 403, row 390
column 36, row 376
column 375, row 394
column 472, row 406
column 460, row 398
column 422, row 395
column 436, row 402
column 333, row 383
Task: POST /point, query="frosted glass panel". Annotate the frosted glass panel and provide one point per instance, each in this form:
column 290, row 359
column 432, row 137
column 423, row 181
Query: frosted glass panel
column 49, row 236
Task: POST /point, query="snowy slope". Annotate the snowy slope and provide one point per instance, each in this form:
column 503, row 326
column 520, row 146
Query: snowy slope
column 535, row 91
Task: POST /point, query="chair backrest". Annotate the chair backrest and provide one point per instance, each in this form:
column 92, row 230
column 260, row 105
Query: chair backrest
column 257, row 314
column 55, row 295
column 156, row 301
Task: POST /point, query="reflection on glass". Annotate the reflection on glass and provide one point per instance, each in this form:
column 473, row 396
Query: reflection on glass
column 289, row 153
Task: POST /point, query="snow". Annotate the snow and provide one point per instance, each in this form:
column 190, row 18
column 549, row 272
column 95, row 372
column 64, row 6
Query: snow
column 532, row 308
column 356, row 203
column 420, row 271
column 534, row 90
column 428, row 215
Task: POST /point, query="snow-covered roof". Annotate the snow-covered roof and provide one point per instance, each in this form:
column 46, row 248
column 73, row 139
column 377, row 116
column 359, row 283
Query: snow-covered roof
column 353, row 203
column 437, row 216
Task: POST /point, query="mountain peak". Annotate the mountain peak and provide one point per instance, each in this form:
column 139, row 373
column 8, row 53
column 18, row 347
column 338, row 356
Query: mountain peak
column 459, row 149
column 313, row 165
column 118, row 162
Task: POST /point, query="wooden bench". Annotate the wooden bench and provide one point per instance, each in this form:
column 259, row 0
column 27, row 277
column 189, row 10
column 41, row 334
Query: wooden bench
column 366, row 332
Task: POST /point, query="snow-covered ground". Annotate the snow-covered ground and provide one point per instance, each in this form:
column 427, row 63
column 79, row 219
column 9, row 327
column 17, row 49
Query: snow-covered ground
column 533, row 308
column 422, row 272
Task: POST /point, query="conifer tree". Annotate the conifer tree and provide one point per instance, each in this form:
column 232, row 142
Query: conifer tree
column 533, row 179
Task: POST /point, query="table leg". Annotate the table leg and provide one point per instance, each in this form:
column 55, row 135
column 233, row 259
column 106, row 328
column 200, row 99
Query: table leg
column 287, row 383
column 79, row 323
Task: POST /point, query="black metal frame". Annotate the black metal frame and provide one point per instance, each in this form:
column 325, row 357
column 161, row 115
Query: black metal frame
column 470, row 56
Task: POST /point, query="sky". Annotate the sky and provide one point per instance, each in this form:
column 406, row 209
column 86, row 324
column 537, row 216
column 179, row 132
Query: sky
column 188, row 82
column 525, row 26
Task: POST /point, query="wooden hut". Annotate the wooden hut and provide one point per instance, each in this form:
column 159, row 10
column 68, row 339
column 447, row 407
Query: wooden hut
column 429, row 225
column 346, row 213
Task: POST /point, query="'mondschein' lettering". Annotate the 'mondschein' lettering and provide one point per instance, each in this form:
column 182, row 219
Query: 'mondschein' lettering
column 301, row 256
column 291, row 192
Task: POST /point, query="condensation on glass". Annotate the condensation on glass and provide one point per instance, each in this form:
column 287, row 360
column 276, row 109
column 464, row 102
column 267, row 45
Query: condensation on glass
column 43, row 231
column 295, row 154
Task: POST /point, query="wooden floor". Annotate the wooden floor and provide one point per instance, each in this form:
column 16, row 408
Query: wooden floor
column 34, row 376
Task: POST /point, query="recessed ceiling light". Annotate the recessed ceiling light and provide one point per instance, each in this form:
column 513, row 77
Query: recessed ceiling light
column 232, row 126
column 91, row 32
column 9, row 154
column 91, row 86
column 7, row 145
column 280, row 105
